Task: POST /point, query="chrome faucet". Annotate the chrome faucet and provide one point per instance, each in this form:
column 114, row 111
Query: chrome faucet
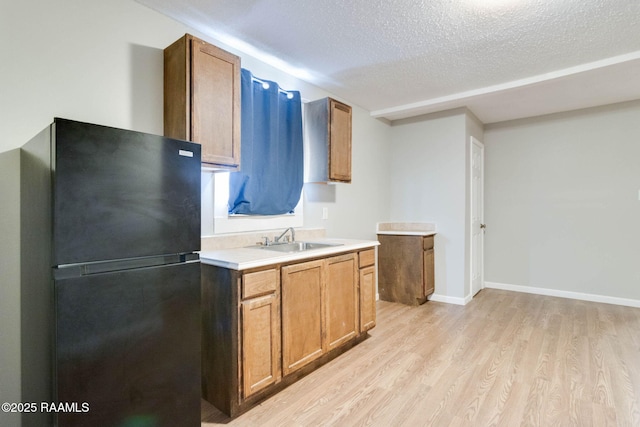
column 293, row 235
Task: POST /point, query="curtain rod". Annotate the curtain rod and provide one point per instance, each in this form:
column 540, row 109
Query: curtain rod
column 265, row 85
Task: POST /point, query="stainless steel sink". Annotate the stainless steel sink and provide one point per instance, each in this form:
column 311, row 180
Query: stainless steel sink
column 297, row 246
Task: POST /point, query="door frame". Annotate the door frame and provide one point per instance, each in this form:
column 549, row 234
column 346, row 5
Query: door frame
column 474, row 141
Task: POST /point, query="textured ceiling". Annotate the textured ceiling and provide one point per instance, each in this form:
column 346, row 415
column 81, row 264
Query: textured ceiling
column 503, row 59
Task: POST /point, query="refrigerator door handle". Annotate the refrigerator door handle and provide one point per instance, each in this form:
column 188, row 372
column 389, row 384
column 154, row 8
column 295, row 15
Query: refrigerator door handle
column 78, row 270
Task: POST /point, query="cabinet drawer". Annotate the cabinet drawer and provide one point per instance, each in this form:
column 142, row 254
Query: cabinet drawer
column 427, row 242
column 367, row 258
column 259, row 283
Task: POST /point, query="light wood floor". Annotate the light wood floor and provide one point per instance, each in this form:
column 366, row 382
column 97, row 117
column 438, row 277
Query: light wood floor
column 506, row 358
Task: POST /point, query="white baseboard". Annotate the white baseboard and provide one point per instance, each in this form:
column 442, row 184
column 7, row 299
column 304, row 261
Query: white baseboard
column 564, row 294
column 450, row 300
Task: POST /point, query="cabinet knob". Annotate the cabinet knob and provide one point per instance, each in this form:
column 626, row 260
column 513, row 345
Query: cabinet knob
column 483, row 226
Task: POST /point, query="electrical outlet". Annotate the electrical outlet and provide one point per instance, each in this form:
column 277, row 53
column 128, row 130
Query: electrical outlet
column 325, row 213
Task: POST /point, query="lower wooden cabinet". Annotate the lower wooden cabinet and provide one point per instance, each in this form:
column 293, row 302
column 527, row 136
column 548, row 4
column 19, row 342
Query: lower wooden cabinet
column 367, row 283
column 265, row 328
column 302, row 314
column 406, row 268
column 429, row 282
column 319, row 308
column 341, row 298
column 260, row 331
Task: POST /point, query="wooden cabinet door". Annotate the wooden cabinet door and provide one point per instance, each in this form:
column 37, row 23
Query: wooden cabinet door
column 339, row 141
column 401, row 261
column 341, row 299
column 428, row 272
column 302, row 314
column 367, row 298
column 260, row 362
column 215, row 103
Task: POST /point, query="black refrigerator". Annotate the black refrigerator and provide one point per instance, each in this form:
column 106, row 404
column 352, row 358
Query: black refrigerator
column 124, row 228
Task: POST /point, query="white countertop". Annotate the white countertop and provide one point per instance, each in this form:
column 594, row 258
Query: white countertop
column 406, row 228
column 408, row 233
column 252, row 257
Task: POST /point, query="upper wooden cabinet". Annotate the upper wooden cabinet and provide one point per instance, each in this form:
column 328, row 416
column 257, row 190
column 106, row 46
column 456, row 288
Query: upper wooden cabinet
column 328, row 141
column 202, row 100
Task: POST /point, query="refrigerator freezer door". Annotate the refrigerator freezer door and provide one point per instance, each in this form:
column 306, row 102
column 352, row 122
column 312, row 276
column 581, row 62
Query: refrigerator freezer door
column 128, row 345
column 122, row 194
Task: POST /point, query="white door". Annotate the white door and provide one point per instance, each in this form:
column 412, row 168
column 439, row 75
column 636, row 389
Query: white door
column 477, row 215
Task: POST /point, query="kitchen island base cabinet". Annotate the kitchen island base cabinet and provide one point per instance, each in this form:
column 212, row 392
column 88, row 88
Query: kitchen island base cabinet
column 406, row 268
column 267, row 327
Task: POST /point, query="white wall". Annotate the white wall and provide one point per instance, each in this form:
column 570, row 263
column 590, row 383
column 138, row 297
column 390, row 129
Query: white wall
column 99, row 62
column 10, row 365
column 562, row 208
column 428, row 184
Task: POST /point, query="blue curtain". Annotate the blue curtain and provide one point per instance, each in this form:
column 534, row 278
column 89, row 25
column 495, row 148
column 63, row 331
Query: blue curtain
column 271, row 174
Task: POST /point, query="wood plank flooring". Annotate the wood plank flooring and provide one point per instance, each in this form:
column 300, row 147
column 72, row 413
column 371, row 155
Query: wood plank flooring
column 505, row 359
